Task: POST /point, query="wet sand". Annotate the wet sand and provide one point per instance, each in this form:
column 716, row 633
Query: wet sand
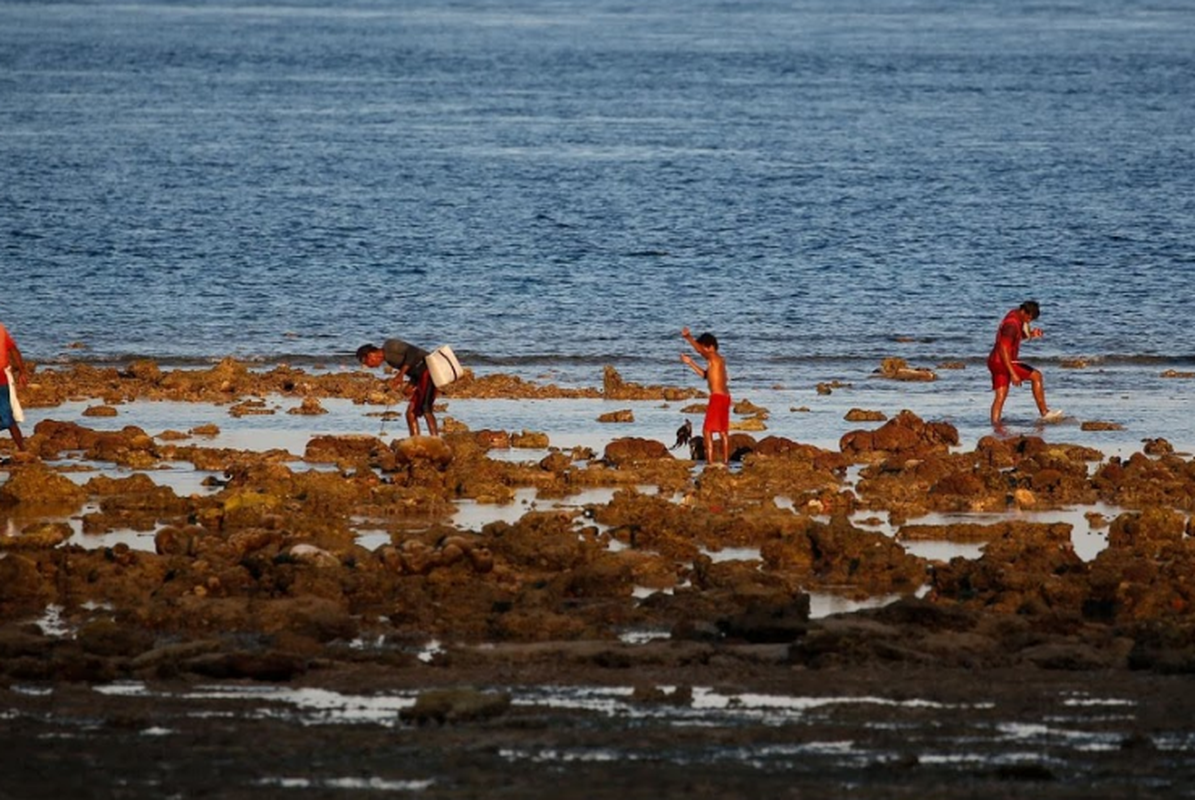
column 306, row 604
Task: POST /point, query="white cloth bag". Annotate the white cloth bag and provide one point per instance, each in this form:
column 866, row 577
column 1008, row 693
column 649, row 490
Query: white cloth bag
column 18, row 413
column 443, row 366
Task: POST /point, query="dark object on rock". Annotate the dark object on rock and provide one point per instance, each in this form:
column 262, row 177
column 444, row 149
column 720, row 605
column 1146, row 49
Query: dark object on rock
column 1156, row 447
column 683, row 434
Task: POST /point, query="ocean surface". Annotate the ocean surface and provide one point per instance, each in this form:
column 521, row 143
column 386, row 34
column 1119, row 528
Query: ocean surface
column 553, row 186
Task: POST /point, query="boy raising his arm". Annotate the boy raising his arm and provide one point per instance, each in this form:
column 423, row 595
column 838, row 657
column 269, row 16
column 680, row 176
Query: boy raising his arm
column 717, row 414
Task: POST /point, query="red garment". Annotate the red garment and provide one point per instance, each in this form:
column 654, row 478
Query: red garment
column 6, row 343
column 424, row 397
column 717, row 414
column 1010, row 334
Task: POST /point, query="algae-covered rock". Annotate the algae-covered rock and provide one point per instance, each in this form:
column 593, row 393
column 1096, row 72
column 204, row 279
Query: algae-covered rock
column 39, row 536
column 37, row 485
column 431, row 450
column 633, row 449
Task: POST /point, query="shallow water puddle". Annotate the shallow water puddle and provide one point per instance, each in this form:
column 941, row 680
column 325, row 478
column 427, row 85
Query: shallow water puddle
column 53, row 624
column 373, row 538
column 182, row 478
column 1042, row 735
column 134, row 540
column 807, row 726
column 733, row 554
column 821, row 605
column 348, row 784
column 825, row 604
column 312, row 706
column 472, row 515
column 1087, row 541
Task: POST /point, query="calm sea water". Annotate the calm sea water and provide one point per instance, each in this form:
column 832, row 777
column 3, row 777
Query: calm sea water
column 553, row 186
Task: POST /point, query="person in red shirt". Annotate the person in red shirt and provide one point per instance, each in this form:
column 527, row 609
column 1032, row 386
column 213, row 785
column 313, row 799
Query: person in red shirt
column 1007, row 369
column 10, row 356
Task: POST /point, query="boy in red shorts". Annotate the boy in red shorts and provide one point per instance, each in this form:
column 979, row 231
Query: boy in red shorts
column 1005, row 367
column 717, row 414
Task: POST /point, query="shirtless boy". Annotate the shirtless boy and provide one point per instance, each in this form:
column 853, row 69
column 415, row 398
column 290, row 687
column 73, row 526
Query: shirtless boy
column 717, row 414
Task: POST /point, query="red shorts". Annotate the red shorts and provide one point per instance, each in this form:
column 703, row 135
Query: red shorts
column 424, row 397
column 1000, row 377
column 717, row 414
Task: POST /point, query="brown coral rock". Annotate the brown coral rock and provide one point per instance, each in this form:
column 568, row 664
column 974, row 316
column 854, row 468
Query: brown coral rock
column 39, row 486
column 905, row 433
column 631, row 450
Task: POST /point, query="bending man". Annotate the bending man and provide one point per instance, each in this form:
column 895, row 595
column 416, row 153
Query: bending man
column 410, row 361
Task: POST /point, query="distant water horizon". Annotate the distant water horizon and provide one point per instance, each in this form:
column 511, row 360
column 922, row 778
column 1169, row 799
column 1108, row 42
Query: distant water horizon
column 551, row 187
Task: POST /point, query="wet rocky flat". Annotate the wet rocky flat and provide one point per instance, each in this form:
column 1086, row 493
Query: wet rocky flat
column 318, row 624
column 584, row 730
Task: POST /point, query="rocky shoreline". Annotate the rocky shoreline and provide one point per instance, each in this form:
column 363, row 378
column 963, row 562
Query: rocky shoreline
column 262, row 581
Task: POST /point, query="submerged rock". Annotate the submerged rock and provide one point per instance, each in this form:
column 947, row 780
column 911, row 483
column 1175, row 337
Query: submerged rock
column 446, row 706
